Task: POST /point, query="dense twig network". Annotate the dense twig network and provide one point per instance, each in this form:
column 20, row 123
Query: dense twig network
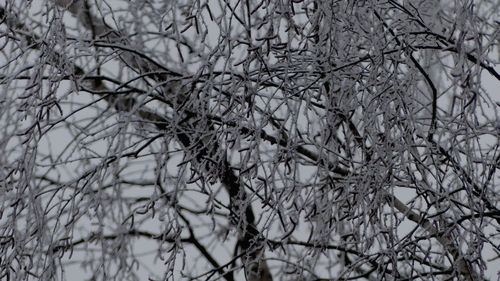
column 257, row 140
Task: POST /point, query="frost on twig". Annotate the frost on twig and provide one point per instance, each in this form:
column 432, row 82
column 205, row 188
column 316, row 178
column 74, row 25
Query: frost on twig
column 268, row 140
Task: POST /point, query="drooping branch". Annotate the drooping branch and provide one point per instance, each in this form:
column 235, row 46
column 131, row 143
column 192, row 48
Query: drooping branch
column 298, row 133
column 250, row 239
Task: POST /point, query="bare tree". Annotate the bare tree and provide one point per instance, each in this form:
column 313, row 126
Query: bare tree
column 257, row 140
